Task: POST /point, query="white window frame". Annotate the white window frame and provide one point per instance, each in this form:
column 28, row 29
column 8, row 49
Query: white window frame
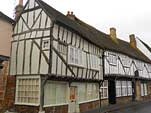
column 47, row 47
column 129, row 88
column 95, row 62
column 124, row 88
column 104, row 88
column 144, row 89
column 118, row 89
column 77, row 55
column 17, row 89
column 148, row 68
column 91, row 96
column 126, row 61
column 67, row 94
column 139, row 65
column 112, row 58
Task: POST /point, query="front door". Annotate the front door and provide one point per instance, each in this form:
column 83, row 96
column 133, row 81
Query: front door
column 112, row 92
column 73, row 107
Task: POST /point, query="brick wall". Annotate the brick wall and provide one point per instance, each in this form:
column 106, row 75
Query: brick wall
column 57, row 109
column 8, row 102
column 124, row 100
column 89, row 106
column 7, row 88
column 26, row 109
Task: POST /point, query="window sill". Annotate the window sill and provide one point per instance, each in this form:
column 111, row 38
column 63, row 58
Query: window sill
column 55, row 105
column 28, row 104
column 88, row 101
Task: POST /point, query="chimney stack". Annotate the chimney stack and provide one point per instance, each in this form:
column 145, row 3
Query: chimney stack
column 133, row 41
column 70, row 15
column 18, row 9
column 113, row 34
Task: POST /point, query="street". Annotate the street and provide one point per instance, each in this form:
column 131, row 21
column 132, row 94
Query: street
column 136, row 107
column 140, row 108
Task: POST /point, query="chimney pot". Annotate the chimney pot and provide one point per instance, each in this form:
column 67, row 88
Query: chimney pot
column 21, row 2
column 71, row 12
column 68, row 13
column 71, row 15
column 133, row 41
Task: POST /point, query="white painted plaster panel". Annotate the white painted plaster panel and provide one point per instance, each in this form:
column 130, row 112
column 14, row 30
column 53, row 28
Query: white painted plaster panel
column 20, row 57
column 27, row 57
column 35, row 58
column 13, row 59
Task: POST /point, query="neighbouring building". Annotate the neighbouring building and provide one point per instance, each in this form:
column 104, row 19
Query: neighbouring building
column 59, row 63
column 127, row 71
column 6, row 31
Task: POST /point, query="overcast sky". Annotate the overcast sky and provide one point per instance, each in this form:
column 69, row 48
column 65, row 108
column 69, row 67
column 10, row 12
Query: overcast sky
column 127, row 16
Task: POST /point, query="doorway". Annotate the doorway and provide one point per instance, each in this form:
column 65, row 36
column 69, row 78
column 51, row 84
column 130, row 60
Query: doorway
column 112, row 91
column 133, row 91
column 73, row 104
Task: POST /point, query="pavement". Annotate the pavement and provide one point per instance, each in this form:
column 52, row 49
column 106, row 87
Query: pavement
column 131, row 107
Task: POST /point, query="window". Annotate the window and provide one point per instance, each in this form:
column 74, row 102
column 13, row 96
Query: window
column 94, row 62
column 148, row 67
column 76, row 56
column 126, row 61
column 123, row 88
column 112, row 58
column 144, row 90
column 139, row 65
column 118, row 89
column 88, row 92
column 129, row 86
column 46, row 44
column 27, row 90
column 104, row 90
column 55, row 93
column 62, row 49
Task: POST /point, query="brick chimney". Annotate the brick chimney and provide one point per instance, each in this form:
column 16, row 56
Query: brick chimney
column 133, row 41
column 113, row 34
column 18, row 9
column 70, row 15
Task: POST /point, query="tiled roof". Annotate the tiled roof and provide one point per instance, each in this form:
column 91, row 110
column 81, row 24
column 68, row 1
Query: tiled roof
column 93, row 35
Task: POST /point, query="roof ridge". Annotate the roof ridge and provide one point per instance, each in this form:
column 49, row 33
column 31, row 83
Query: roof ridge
column 5, row 17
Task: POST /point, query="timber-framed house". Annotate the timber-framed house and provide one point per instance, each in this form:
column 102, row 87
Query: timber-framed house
column 58, row 63
column 58, row 66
